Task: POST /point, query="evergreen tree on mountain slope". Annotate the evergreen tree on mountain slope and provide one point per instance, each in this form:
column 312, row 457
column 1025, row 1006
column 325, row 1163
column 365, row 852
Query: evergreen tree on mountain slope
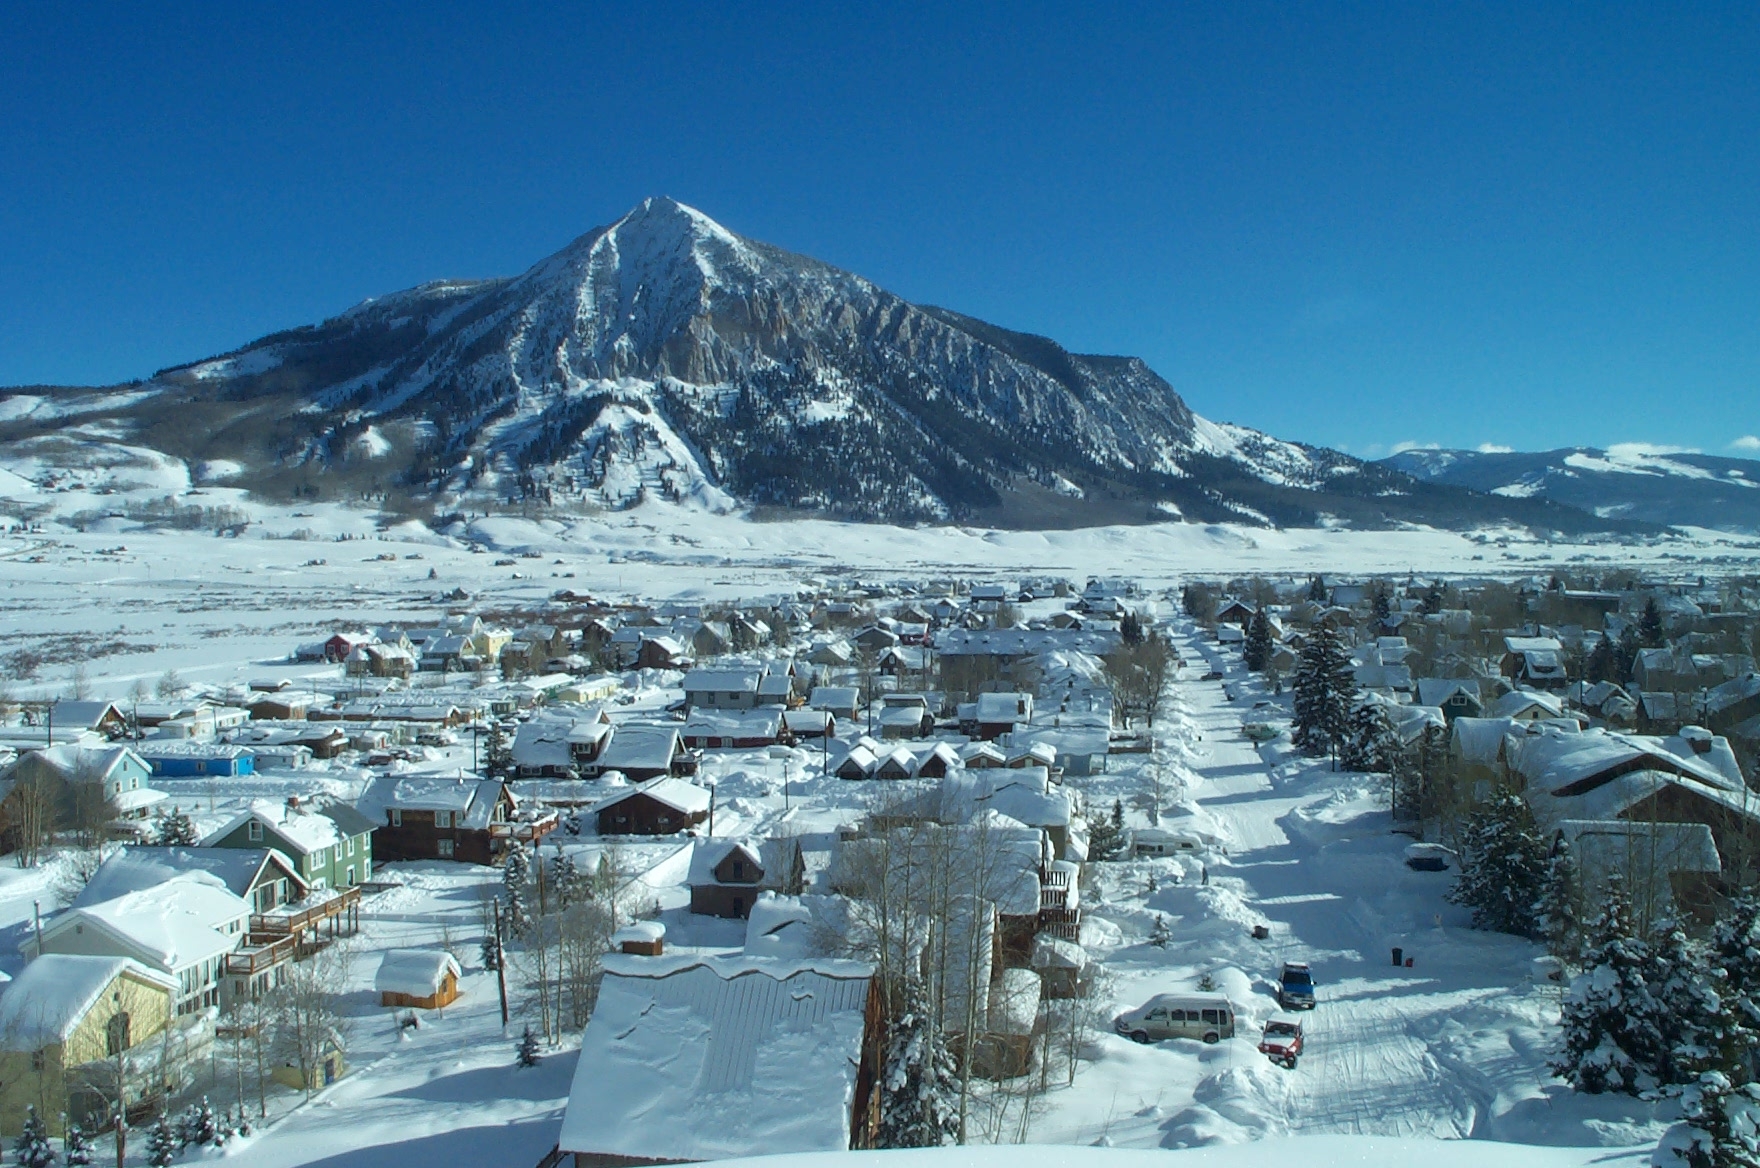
column 1559, row 913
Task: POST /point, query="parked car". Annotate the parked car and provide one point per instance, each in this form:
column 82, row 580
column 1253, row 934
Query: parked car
column 1213, row 675
column 1206, row 1017
column 1282, row 1040
column 1295, row 986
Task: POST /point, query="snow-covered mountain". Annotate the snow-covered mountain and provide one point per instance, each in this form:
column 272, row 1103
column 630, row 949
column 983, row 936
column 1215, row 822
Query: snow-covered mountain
column 1633, row 481
column 664, row 356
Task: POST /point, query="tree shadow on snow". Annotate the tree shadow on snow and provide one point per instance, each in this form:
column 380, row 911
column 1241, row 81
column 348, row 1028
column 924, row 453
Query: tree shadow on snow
column 524, row 1141
column 549, row 1080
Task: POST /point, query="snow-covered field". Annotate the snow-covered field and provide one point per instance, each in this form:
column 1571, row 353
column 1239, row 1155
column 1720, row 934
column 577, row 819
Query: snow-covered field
column 136, row 602
column 1454, row 1047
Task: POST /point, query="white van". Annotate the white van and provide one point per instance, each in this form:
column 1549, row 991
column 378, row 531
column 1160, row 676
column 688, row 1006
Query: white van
column 1207, row 1017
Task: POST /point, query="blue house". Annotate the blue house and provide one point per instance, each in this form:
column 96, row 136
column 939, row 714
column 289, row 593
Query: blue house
column 196, row 760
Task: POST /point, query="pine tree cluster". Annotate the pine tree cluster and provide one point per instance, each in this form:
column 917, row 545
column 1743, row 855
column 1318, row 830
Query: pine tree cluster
column 32, row 1148
column 178, row 830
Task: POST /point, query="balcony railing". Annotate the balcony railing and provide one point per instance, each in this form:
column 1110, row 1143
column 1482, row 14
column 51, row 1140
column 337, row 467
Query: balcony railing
column 259, row 955
column 288, row 921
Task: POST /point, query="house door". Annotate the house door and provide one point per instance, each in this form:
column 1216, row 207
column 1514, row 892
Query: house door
column 329, row 1071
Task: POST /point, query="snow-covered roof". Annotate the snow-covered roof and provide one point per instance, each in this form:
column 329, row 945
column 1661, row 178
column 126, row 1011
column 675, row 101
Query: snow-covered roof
column 636, row 747
column 779, row 926
column 307, row 828
column 416, row 972
column 707, row 855
column 675, row 793
column 174, row 924
column 134, row 869
column 1004, row 707
column 723, row 680
column 1434, row 691
column 760, row 723
column 1523, row 702
column 701, row 1058
column 45, row 1002
column 472, row 800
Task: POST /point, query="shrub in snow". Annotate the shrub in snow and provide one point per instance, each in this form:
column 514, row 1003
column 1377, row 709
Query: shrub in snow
column 76, row 1147
column 1325, row 689
column 32, row 1148
column 178, row 830
column 919, row 1089
column 1719, row 1128
column 161, row 1145
column 1504, row 864
column 198, row 1125
column 1106, row 834
column 1161, row 935
column 1207, row 984
column 1612, row 1041
column 526, row 1054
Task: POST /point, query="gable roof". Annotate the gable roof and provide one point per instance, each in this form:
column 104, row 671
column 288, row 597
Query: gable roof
column 472, row 801
column 48, row 1000
column 173, row 924
column 699, row 1058
column 708, row 854
column 134, row 868
column 673, row 792
column 416, row 972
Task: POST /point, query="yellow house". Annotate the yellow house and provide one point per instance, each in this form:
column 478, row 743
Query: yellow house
column 67, row 1025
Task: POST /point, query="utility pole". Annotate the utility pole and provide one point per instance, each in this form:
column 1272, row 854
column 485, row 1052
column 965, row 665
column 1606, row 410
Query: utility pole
column 500, row 970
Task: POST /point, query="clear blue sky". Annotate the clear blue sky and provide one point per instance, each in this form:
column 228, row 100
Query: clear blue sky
column 1359, row 225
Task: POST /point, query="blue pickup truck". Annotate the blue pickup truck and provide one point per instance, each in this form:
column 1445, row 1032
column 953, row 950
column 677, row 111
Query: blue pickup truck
column 1295, row 986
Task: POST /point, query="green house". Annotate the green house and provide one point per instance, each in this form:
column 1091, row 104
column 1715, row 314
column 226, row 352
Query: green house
column 331, row 845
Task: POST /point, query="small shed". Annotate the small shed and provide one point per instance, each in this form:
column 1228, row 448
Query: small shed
column 424, row 978
column 641, row 939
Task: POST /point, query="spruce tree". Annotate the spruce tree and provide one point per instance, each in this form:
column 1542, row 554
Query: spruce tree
column 1611, row 1039
column 565, row 879
column 1559, row 912
column 1433, row 599
column 162, row 1145
column 1735, row 949
column 1371, row 746
column 1504, row 866
column 1325, row 690
column 32, row 1148
column 919, row 1085
column 1650, row 626
column 1701, row 1031
column 1161, row 936
column 76, row 1147
column 202, row 1130
column 1106, row 834
column 491, row 951
column 1603, row 663
column 1317, row 590
column 178, row 830
column 1627, row 656
column 1719, row 1128
column 1256, row 652
column 526, row 1054
column 514, row 878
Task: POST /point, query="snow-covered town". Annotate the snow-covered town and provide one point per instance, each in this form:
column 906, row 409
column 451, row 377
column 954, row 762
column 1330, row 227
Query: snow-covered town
column 607, row 585
column 528, row 873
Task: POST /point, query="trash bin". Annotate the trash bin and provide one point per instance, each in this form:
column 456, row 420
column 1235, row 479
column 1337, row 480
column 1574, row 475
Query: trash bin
column 1260, row 932
column 1398, row 956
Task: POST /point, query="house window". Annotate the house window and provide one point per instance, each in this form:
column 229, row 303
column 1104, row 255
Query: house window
column 254, row 832
column 739, row 869
column 351, row 873
column 348, row 846
column 444, row 849
column 336, row 854
column 36, row 1060
column 116, row 1034
column 396, row 817
column 442, row 819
